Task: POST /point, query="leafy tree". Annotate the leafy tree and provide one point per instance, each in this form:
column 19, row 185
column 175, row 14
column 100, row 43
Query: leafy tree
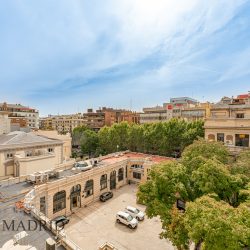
column 89, row 142
column 242, row 164
column 203, row 176
column 217, row 225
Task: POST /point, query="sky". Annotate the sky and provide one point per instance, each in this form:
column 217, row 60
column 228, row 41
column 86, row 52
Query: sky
column 63, row 56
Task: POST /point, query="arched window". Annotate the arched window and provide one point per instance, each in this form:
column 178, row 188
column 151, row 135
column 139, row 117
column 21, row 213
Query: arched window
column 211, row 137
column 120, row 174
column 59, row 201
column 89, row 188
column 103, row 181
column 76, row 189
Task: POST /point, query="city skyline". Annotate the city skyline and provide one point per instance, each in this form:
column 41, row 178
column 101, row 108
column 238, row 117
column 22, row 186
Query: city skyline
column 132, row 54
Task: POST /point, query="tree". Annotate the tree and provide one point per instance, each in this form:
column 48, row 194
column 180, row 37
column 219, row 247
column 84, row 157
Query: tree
column 201, row 179
column 217, row 225
column 89, row 142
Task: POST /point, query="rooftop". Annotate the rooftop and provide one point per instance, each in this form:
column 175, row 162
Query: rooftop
column 19, row 138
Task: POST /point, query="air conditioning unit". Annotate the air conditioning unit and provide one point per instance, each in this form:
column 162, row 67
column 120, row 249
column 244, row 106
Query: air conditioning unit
column 45, row 178
column 59, row 174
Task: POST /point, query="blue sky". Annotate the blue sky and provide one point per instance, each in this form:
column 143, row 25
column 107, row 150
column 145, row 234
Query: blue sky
column 66, row 56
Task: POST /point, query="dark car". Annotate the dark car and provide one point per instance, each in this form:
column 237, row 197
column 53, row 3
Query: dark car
column 60, row 221
column 105, row 196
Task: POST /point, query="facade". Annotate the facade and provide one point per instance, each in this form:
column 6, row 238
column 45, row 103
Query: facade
column 181, row 107
column 66, row 139
column 62, row 196
column 23, row 153
column 93, row 119
column 199, row 112
column 155, row 114
column 21, row 116
column 62, row 123
column 4, row 123
column 230, row 123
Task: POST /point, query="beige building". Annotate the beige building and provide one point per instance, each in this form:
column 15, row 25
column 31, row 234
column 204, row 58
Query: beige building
column 62, row 123
column 181, row 107
column 23, row 153
column 72, row 190
column 230, row 123
column 4, row 123
column 155, row 114
column 20, row 114
column 66, row 139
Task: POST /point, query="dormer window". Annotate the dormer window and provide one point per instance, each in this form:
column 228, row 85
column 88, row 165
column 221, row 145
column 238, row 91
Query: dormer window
column 9, row 155
column 50, row 150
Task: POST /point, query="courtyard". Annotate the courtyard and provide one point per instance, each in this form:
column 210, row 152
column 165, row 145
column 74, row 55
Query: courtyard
column 95, row 224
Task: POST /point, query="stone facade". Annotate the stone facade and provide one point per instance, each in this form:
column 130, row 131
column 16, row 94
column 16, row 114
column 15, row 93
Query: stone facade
column 25, row 153
column 230, row 124
column 74, row 190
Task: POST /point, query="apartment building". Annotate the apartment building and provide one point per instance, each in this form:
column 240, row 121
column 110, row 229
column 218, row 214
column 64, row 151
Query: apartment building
column 61, row 196
column 199, row 112
column 62, row 123
column 92, row 119
column 25, row 153
column 180, row 107
column 155, row 114
column 230, row 122
column 113, row 116
column 21, row 116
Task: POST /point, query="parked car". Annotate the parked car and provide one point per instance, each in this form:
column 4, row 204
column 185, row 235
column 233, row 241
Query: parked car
column 127, row 219
column 135, row 212
column 60, row 221
column 106, row 196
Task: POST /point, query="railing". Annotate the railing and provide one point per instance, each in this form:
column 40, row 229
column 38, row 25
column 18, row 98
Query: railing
column 66, row 242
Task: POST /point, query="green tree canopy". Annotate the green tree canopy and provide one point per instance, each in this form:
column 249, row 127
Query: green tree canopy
column 204, row 181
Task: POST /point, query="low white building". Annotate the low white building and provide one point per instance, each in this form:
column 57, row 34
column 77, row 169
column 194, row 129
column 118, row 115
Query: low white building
column 25, row 153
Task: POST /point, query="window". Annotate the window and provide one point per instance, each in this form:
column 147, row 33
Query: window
column 59, row 201
column 75, row 189
column 240, row 115
column 42, row 205
column 220, row 137
column 137, row 175
column 89, row 188
column 50, row 150
column 120, row 174
column 103, row 181
column 9, row 155
column 29, row 153
column 242, row 140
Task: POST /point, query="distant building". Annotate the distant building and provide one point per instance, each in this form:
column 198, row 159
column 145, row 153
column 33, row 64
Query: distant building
column 4, row 122
column 230, row 123
column 155, row 114
column 181, row 107
column 92, row 119
column 62, row 123
column 21, row 117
